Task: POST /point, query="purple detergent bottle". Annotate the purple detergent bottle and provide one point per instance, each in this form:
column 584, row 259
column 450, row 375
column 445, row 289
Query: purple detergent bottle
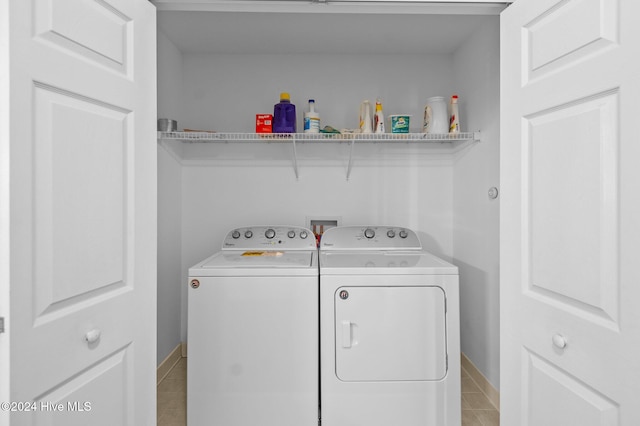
column 284, row 115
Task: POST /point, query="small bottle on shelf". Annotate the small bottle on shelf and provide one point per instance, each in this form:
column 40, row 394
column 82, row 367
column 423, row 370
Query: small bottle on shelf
column 312, row 119
column 454, row 115
column 379, row 118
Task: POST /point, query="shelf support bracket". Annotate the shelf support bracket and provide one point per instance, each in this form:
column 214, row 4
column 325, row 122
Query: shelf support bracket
column 353, row 143
column 295, row 158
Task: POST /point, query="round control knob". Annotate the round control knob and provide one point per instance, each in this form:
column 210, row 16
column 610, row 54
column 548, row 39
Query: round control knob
column 269, row 233
column 291, row 234
column 391, row 233
column 303, row 234
column 369, row 233
column 248, row 234
column 235, row 235
column 403, row 234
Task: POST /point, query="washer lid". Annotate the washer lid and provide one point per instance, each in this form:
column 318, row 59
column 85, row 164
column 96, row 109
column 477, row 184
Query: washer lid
column 257, row 263
column 260, row 259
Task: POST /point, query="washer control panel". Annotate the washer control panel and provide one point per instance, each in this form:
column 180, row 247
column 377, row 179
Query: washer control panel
column 370, row 238
column 270, row 238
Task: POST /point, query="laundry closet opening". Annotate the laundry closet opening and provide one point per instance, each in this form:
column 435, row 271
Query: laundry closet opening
column 218, row 68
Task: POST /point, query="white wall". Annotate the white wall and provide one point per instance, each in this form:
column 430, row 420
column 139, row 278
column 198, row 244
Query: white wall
column 440, row 195
column 230, row 186
column 221, row 198
column 224, row 92
column 169, row 205
column 476, row 217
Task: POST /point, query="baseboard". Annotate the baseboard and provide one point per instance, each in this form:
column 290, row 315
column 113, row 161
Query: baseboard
column 183, row 349
column 487, row 388
column 168, row 363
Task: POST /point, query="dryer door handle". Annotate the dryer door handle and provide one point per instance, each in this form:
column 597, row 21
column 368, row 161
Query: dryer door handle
column 346, row 334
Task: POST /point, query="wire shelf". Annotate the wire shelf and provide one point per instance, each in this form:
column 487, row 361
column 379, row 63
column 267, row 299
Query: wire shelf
column 295, row 138
column 210, row 137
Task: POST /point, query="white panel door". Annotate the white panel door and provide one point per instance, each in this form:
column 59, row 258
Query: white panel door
column 570, row 228
column 80, row 205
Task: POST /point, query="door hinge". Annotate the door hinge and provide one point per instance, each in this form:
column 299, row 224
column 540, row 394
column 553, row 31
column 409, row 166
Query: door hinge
column 1, row 324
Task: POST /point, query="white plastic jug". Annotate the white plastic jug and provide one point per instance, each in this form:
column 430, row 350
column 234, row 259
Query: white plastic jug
column 436, row 119
column 365, row 118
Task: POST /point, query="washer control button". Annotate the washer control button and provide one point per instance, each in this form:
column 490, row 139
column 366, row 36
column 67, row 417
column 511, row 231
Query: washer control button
column 235, row 234
column 369, row 233
column 403, row 234
column 303, row 234
column 291, row 234
column 248, row 234
column 391, row 233
column 269, row 233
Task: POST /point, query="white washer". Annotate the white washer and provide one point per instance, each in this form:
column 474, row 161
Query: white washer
column 389, row 330
column 253, row 331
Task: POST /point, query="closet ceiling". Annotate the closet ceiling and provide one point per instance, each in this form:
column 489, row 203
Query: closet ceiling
column 316, row 33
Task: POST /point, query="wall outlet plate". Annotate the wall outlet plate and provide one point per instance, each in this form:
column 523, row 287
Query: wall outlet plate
column 319, row 224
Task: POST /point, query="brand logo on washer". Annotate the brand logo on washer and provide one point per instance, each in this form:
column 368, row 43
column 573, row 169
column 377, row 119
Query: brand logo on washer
column 344, row 294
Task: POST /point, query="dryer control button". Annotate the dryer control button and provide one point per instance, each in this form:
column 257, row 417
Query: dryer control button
column 235, row 235
column 303, row 234
column 269, row 233
column 403, row 234
column 291, row 234
column 391, row 233
column 369, row 233
column 248, row 234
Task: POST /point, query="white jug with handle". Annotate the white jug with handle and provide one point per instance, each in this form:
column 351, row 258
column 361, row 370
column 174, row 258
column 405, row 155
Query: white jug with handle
column 365, row 118
column 436, row 119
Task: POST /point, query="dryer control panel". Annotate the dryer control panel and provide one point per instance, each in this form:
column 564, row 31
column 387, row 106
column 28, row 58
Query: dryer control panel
column 269, row 238
column 370, row 238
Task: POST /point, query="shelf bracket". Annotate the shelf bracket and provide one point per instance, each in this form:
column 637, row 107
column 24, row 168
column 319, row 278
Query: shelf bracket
column 353, row 143
column 295, row 159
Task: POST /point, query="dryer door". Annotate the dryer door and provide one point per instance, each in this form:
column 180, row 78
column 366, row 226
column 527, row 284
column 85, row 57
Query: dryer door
column 390, row 334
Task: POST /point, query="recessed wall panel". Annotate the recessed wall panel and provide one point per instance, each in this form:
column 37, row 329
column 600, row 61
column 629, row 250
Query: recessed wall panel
column 102, row 35
column 553, row 397
column 99, row 395
column 81, row 213
column 568, row 32
column 572, row 179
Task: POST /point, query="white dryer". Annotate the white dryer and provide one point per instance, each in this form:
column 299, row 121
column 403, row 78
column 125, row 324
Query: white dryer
column 253, row 331
column 389, row 330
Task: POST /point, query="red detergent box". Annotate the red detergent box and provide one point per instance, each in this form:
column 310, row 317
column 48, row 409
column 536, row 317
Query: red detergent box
column 264, row 123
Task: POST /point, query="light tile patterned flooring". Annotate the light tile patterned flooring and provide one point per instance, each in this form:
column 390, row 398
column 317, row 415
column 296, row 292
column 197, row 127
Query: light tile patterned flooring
column 477, row 410
column 172, row 396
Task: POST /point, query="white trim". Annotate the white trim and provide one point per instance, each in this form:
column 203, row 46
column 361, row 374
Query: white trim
column 450, row 7
column 168, row 363
column 485, row 386
column 5, row 211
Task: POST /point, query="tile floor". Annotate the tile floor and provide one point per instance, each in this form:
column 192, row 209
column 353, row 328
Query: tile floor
column 172, row 400
column 172, row 396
